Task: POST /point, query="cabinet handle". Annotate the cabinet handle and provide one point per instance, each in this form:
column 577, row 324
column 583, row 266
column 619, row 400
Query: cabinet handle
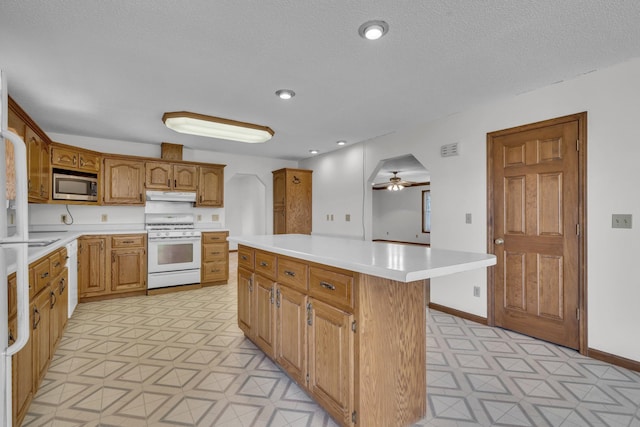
column 113, row 257
column 215, row 253
column 128, row 241
column 81, row 161
column 102, row 245
column 168, row 183
column 57, row 264
column 11, row 338
column 264, row 264
column 74, row 160
column 140, row 196
column 271, row 296
column 244, row 257
column 250, row 285
column 278, row 298
column 200, row 199
column 290, row 273
column 175, row 182
column 52, row 302
column 36, row 318
column 328, row 286
column 309, row 319
column 63, row 285
column 44, row 275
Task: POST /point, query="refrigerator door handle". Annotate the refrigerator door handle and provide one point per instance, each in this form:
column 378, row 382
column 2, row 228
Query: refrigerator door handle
column 21, row 235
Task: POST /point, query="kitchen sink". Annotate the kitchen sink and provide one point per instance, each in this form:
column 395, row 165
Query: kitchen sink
column 39, row 243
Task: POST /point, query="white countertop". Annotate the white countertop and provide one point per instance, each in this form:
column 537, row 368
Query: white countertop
column 404, row 263
column 63, row 237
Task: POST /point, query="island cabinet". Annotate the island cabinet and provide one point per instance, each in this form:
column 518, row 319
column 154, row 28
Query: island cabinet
column 171, row 176
column 343, row 336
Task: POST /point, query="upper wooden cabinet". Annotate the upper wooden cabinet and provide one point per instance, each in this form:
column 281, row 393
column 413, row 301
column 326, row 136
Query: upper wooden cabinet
column 67, row 157
column 171, row 176
column 123, row 182
column 211, row 186
column 37, row 152
column 292, row 201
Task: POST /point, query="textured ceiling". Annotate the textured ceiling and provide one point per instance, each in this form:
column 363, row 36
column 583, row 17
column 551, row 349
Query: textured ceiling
column 110, row 69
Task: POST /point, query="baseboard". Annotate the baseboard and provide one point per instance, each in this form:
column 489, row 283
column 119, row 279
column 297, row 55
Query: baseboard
column 458, row 313
column 634, row 365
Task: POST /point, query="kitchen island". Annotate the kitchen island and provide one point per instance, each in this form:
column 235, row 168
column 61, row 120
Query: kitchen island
column 345, row 318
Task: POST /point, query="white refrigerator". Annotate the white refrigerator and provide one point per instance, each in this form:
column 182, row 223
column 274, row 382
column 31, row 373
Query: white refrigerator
column 13, row 252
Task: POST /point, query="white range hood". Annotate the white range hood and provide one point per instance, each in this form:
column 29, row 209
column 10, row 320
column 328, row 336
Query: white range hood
column 172, row 196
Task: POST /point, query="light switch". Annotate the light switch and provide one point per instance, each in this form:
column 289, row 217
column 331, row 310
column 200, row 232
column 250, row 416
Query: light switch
column 621, row 221
column 467, row 218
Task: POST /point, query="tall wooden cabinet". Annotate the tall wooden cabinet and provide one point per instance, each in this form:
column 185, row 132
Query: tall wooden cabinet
column 292, row 201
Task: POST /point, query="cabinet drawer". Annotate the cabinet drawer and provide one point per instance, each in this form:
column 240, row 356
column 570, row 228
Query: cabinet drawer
column 245, row 257
column 57, row 259
column 217, row 237
column 214, row 271
column 41, row 274
column 293, row 273
column 128, row 241
column 266, row 264
column 331, row 287
column 214, row 252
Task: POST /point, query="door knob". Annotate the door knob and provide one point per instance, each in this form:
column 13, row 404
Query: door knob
column 499, row 241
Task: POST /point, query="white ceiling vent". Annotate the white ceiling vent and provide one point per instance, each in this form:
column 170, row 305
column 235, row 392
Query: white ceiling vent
column 449, row 150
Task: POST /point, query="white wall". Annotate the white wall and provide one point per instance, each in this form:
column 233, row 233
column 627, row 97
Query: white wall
column 43, row 215
column 610, row 97
column 397, row 215
column 246, row 206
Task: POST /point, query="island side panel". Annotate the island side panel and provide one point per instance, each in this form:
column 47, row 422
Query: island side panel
column 390, row 351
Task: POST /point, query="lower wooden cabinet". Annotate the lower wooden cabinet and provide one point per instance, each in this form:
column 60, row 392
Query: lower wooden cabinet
column 117, row 260
column 291, row 332
column 22, row 375
column 41, row 335
column 215, row 258
column 245, row 301
column 264, row 331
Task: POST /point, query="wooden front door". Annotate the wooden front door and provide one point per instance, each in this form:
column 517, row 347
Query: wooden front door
column 536, row 202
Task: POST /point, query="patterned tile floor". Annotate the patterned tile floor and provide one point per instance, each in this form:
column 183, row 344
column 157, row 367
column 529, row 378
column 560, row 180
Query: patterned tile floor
column 180, row 360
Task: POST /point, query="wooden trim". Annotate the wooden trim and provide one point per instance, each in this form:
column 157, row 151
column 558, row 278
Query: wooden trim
column 581, row 118
column 633, row 365
column 18, row 111
column 401, row 242
column 172, row 289
column 112, row 296
column 292, row 170
column 458, row 313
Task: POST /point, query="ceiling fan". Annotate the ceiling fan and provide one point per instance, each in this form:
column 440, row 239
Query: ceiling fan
column 395, row 183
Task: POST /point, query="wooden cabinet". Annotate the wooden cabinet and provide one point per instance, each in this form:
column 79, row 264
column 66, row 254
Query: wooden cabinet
column 245, row 301
column 12, row 295
column 265, row 325
column 331, row 376
column 291, row 332
column 22, row 374
column 292, row 190
column 91, row 266
column 123, row 182
column 128, row 263
column 38, row 152
column 72, row 158
column 59, row 307
column 215, row 258
column 211, row 186
column 41, row 334
column 171, row 176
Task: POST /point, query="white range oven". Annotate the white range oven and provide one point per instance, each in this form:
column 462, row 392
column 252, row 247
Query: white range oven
column 174, row 251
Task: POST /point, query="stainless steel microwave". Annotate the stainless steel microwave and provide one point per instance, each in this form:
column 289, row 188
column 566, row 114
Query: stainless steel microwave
column 69, row 185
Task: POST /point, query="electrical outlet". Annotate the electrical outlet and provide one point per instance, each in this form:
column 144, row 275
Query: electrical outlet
column 104, row 218
column 12, row 218
column 621, row 221
column 215, row 217
column 467, row 218
column 331, row 217
column 199, row 217
column 63, row 218
column 476, row 291
column 347, row 217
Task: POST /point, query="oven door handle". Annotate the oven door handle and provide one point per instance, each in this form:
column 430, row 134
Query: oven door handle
column 175, row 239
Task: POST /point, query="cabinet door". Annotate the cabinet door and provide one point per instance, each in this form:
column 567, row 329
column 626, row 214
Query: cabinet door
column 298, row 201
column 185, row 177
column 265, row 327
column 123, row 182
column 64, row 157
column 211, row 186
column 41, row 335
column 331, row 359
column 37, row 166
column 91, row 266
column 59, row 308
column 128, row 270
column 158, row 176
column 12, row 294
column 89, row 162
column 245, row 301
column 279, row 221
column 22, row 376
column 279, row 189
column 291, row 332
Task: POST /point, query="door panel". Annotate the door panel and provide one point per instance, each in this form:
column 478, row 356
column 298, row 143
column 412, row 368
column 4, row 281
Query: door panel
column 535, row 204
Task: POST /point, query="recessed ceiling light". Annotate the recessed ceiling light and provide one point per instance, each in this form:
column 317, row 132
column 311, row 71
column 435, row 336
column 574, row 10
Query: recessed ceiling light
column 341, row 142
column 373, row 30
column 314, row 151
column 216, row 127
column 285, row 93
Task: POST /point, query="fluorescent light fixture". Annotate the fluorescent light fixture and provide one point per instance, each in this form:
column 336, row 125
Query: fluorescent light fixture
column 373, row 30
column 216, row 127
column 285, row 93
